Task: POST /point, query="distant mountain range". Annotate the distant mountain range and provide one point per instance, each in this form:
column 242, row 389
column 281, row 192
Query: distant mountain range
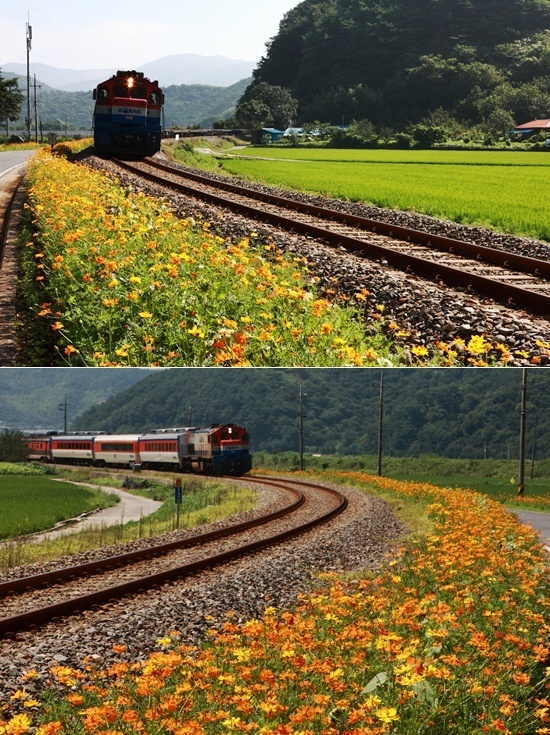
column 217, row 71
column 198, row 90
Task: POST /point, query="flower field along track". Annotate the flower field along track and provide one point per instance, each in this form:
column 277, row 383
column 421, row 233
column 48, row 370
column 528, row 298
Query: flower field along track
column 506, row 277
column 101, row 594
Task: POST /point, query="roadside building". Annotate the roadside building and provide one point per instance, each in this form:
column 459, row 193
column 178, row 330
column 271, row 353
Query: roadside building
column 532, row 128
column 270, row 135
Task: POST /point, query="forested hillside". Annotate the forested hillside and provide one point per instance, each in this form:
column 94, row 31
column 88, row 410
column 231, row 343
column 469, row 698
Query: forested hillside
column 29, row 397
column 462, row 413
column 397, row 62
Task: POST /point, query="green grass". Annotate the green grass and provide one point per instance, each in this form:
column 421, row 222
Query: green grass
column 203, row 502
column 506, row 191
column 495, row 478
column 392, row 156
column 30, row 504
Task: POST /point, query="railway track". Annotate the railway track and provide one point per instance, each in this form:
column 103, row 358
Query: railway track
column 32, row 601
column 506, row 277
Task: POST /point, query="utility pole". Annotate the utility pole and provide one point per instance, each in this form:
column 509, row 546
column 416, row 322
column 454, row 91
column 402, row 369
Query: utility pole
column 380, row 423
column 63, row 407
column 300, row 398
column 36, row 110
column 29, row 46
column 521, row 488
column 302, row 395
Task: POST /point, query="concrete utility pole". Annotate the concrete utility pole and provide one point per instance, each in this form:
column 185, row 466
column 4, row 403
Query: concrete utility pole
column 521, row 487
column 36, row 110
column 302, row 395
column 63, row 407
column 29, row 45
column 380, row 423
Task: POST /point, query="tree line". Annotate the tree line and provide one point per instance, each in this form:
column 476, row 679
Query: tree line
column 452, row 65
column 472, row 413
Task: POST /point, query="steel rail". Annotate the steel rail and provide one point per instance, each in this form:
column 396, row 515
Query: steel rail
column 506, row 293
column 38, row 616
column 523, row 263
column 23, row 584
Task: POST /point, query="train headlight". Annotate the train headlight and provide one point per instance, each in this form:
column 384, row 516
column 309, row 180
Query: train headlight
column 130, row 82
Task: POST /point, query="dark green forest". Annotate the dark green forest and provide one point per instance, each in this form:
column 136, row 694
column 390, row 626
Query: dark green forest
column 456, row 413
column 397, row 62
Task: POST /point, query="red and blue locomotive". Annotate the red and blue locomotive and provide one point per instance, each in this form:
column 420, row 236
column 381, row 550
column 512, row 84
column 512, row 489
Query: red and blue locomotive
column 220, row 449
column 128, row 115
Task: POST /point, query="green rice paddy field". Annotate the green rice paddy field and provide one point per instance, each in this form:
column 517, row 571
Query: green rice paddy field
column 506, row 191
column 31, row 504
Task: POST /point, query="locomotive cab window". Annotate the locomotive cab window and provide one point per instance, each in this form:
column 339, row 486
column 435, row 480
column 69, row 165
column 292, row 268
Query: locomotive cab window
column 102, row 94
column 139, row 93
column 121, row 90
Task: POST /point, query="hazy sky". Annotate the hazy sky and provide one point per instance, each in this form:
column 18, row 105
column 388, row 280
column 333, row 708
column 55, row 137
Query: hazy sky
column 106, row 33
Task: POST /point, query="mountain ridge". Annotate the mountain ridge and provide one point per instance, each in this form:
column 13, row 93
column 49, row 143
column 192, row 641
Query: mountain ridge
column 174, row 69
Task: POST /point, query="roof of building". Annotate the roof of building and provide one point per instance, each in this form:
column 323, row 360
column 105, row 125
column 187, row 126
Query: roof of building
column 534, row 124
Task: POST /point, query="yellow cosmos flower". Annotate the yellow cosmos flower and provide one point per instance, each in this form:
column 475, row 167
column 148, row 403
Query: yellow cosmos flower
column 387, row 714
column 419, row 351
column 196, row 331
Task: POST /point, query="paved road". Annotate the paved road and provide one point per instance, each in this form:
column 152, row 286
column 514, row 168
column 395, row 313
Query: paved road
column 130, row 508
column 10, row 159
column 539, row 521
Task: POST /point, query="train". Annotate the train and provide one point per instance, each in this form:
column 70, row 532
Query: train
column 219, row 449
column 128, row 115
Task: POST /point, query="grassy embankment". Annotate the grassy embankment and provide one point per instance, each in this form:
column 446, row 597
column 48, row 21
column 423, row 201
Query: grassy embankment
column 448, row 637
column 47, row 501
column 498, row 479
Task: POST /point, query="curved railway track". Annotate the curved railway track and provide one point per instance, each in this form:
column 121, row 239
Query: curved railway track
column 509, row 278
column 108, row 579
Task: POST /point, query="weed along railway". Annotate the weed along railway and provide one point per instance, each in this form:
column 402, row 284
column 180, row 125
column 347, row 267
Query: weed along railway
column 506, row 277
column 34, row 600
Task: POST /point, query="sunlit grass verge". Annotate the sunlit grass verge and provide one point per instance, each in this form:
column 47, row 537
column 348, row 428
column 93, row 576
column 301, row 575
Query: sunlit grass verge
column 19, row 147
column 497, row 478
column 114, row 278
column 449, row 636
column 202, row 502
column 488, row 189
